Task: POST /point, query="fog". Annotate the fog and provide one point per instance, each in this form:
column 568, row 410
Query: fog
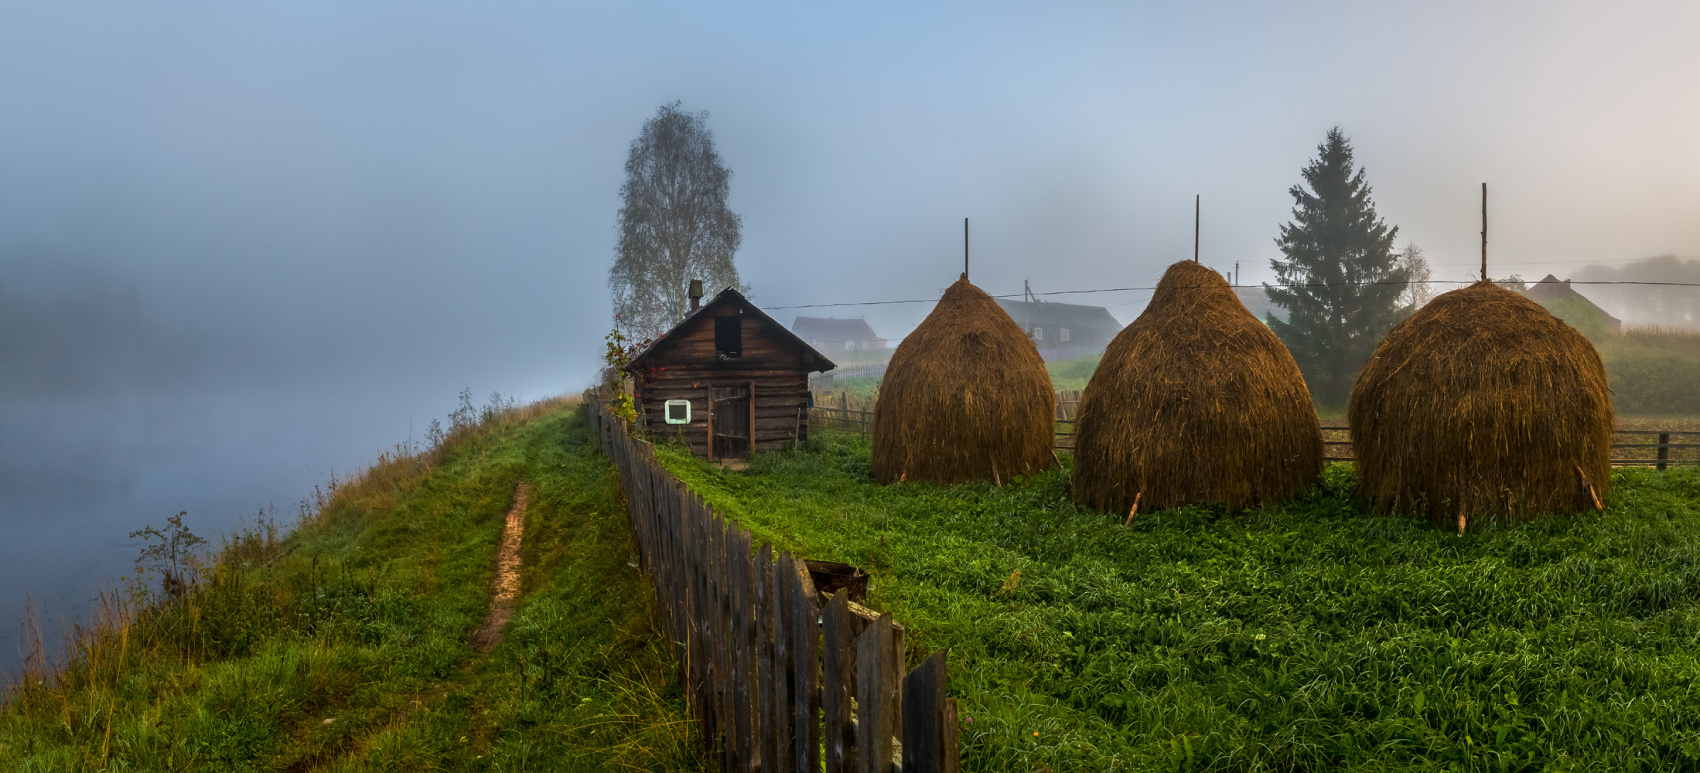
column 241, row 246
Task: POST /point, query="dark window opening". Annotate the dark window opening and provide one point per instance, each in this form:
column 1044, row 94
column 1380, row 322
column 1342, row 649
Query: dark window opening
column 728, row 337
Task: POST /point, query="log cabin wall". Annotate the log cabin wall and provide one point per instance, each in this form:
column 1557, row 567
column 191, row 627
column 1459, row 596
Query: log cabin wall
column 686, row 365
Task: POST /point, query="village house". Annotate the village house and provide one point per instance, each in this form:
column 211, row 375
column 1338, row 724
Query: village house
column 1063, row 325
column 831, row 334
column 1551, row 289
column 726, row 381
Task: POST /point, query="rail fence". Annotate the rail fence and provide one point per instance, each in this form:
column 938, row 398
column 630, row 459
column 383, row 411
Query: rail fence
column 1629, row 447
column 777, row 680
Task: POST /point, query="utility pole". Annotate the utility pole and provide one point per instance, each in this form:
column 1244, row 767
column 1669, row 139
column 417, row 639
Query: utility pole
column 1236, row 273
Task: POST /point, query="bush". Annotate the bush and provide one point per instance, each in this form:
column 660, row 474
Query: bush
column 1650, row 381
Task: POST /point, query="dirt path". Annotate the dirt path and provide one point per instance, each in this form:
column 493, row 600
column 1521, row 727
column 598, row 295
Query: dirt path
column 506, row 585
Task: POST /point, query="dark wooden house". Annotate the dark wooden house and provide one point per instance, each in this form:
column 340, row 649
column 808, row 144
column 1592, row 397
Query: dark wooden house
column 727, row 380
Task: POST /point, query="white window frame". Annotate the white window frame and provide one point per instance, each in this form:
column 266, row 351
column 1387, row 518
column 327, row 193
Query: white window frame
column 1038, row 333
column 1062, row 335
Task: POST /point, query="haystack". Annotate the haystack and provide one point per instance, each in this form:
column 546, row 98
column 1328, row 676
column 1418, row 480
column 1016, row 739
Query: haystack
column 966, row 397
column 1196, row 401
column 1482, row 404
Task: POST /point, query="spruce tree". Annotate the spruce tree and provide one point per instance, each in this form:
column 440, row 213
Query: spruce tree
column 1340, row 279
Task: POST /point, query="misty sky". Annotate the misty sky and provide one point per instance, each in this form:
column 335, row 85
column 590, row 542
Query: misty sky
column 372, row 192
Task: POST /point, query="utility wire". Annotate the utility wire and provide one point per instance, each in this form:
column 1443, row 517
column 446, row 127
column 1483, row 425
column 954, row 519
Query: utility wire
column 1272, row 284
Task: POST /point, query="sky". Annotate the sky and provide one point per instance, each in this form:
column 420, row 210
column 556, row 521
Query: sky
column 379, row 194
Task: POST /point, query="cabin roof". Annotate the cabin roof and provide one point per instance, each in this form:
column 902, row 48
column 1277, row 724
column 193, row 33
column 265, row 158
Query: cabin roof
column 1060, row 314
column 1551, row 287
column 833, row 329
column 730, row 296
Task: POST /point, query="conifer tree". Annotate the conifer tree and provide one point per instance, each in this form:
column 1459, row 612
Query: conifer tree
column 1340, row 279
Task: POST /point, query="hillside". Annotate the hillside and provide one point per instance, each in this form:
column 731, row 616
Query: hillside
column 345, row 645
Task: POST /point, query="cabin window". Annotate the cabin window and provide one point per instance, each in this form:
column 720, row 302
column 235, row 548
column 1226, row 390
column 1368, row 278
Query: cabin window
column 728, row 337
column 1062, row 335
column 849, row 346
column 1038, row 334
column 678, row 411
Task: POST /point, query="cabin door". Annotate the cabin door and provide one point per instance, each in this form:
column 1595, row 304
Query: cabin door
column 732, row 421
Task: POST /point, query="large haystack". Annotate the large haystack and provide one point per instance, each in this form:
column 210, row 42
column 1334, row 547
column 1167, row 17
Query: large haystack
column 1196, row 401
column 1482, row 403
column 965, row 397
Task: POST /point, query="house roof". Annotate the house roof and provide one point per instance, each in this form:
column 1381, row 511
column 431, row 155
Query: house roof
column 833, row 329
column 1064, row 314
column 730, row 296
column 1551, row 287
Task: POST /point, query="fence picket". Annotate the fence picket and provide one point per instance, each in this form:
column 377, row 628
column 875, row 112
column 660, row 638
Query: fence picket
column 923, row 717
column 805, row 630
column 785, row 756
column 875, row 702
column 764, row 655
column 743, row 659
column 838, row 683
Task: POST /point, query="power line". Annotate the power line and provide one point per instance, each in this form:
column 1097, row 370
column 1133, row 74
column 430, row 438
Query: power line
column 1139, row 289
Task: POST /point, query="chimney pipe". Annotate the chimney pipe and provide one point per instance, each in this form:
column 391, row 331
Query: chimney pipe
column 696, row 295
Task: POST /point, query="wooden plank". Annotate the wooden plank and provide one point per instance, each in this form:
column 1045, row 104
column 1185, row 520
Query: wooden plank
column 838, row 683
column 805, row 630
column 784, row 756
column 923, row 716
column 764, row 655
column 874, row 698
column 743, row 659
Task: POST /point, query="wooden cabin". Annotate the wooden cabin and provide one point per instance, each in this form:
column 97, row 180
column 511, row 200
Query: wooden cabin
column 727, row 380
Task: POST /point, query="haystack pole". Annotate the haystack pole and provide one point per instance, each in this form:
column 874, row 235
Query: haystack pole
column 1481, row 405
column 1195, row 402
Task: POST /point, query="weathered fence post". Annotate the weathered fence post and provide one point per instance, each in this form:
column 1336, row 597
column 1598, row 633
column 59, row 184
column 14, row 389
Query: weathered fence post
column 838, row 683
column 876, row 700
column 924, row 737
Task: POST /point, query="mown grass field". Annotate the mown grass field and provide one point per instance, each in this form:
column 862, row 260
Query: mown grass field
column 1307, row 636
column 344, row 646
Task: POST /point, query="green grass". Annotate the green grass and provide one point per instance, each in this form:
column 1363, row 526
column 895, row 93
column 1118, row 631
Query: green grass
column 348, row 651
column 1072, row 375
column 1309, row 636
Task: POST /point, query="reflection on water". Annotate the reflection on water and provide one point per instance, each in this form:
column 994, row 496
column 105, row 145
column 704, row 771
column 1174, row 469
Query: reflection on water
column 78, row 475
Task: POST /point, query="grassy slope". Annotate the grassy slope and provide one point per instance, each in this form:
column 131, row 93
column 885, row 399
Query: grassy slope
column 348, row 652
column 1310, row 636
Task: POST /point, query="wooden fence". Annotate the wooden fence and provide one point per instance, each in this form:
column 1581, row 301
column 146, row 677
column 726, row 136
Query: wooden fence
column 769, row 669
column 1629, row 449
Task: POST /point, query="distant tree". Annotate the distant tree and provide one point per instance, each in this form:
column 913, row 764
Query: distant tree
column 1340, row 280
column 1418, row 293
column 674, row 223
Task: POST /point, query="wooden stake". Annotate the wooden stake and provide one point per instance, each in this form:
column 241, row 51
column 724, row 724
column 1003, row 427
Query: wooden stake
column 904, row 477
column 964, row 248
column 995, row 478
column 1484, row 232
column 1195, row 228
column 1589, row 485
column 1461, row 521
column 1133, row 511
